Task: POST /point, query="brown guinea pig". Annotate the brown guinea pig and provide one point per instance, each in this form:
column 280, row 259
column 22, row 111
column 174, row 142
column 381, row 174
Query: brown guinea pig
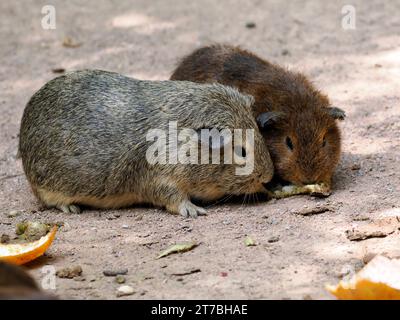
column 296, row 119
column 17, row 284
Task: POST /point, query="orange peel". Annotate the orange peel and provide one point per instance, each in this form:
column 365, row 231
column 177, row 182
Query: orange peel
column 378, row 280
column 21, row 253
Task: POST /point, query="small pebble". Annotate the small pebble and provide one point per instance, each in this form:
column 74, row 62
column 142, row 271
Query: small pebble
column 273, row 239
column 58, row 70
column 120, row 279
column 5, row 238
column 13, row 214
column 125, row 226
column 113, row 273
column 125, row 291
column 69, row 273
column 250, row 25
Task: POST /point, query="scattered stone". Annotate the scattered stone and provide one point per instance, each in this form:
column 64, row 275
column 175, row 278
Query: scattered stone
column 224, row 274
column 5, row 238
column 69, row 273
column 113, row 273
column 58, row 70
column 250, row 25
column 13, row 214
column 125, row 226
column 120, row 279
column 69, row 43
column 355, row 167
column 274, row 239
column 285, row 52
column 125, row 291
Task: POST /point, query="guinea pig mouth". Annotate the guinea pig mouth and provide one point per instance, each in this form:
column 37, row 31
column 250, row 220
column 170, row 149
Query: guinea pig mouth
column 276, row 182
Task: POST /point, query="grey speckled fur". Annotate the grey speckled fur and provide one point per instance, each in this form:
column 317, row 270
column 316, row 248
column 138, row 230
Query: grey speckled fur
column 83, row 136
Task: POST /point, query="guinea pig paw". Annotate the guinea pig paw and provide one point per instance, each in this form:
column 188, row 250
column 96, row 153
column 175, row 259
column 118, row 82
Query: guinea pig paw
column 188, row 209
column 71, row 208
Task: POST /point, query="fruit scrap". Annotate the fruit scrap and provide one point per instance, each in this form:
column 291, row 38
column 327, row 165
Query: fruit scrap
column 378, row 280
column 249, row 242
column 319, row 190
column 21, row 253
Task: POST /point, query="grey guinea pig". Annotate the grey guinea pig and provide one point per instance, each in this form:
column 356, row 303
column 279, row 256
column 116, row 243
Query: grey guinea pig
column 83, row 142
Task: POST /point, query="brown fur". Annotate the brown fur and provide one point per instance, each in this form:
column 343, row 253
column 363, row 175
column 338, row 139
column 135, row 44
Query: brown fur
column 303, row 113
column 16, row 283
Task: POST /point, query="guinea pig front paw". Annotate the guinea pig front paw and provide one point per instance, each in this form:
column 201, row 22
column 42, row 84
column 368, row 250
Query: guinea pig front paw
column 188, row 209
column 69, row 208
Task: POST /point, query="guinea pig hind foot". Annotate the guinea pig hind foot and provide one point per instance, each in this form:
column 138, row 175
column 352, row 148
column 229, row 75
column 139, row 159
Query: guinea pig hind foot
column 69, row 208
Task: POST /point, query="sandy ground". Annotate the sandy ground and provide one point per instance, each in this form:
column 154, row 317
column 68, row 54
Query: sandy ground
column 296, row 255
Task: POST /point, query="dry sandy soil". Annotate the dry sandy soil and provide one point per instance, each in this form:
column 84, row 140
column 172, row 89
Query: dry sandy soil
column 359, row 69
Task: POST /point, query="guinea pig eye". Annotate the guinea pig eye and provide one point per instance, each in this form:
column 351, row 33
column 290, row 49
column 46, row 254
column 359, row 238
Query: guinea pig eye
column 240, row 151
column 289, row 143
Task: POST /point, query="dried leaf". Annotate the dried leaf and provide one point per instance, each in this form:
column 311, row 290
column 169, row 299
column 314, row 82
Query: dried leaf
column 375, row 229
column 318, row 209
column 183, row 247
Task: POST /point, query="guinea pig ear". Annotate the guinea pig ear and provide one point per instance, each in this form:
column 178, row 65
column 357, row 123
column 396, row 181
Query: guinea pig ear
column 336, row 113
column 266, row 119
column 214, row 138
